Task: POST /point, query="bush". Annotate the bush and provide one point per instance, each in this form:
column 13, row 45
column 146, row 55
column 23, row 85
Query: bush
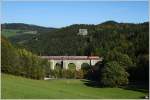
column 71, row 66
column 68, row 73
column 113, row 75
column 56, row 73
column 85, row 67
column 79, row 74
column 62, row 73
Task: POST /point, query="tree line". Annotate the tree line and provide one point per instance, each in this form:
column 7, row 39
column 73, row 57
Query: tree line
column 22, row 62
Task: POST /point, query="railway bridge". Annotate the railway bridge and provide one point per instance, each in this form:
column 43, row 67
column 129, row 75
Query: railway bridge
column 77, row 60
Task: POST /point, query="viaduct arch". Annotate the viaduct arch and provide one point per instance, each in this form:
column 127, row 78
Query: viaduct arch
column 77, row 60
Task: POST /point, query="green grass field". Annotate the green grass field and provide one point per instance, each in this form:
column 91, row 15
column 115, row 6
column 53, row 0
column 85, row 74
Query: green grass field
column 9, row 32
column 14, row 87
column 14, row 32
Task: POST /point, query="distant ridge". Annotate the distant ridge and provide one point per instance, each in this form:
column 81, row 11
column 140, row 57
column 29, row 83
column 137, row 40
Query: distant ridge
column 22, row 26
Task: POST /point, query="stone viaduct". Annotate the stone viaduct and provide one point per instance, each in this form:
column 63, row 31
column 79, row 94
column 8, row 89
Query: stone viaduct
column 77, row 60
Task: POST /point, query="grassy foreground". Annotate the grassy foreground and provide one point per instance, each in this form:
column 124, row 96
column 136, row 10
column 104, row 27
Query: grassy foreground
column 17, row 87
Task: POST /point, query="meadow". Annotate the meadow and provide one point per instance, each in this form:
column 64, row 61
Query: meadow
column 14, row 87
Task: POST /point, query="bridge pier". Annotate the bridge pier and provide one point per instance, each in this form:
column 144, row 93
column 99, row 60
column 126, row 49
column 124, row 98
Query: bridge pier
column 78, row 65
column 52, row 64
column 65, row 65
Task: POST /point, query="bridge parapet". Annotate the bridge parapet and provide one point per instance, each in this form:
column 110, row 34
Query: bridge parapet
column 71, row 57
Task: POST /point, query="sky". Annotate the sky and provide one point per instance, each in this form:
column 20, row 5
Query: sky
column 63, row 13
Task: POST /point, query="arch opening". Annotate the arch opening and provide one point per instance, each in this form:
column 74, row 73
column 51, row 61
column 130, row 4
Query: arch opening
column 71, row 66
column 85, row 66
column 58, row 66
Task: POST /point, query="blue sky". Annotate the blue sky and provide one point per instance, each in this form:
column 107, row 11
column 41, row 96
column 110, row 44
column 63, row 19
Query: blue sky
column 60, row 14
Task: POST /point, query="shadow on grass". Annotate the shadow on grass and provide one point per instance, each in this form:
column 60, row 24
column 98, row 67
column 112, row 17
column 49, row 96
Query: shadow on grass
column 90, row 83
column 139, row 87
column 135, row 86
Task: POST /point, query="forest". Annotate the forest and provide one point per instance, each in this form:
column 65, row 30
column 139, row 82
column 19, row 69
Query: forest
column 124, row 47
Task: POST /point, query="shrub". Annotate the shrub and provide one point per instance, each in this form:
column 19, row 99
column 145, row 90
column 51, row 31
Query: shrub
column 85, row 67
column 68, row 73
column 79, row 74
column 113, row 75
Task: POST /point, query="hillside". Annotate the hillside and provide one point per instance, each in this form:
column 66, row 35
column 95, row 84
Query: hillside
column 15, row 87
column 65, row 41
column 22, row 26
column 17, row 29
